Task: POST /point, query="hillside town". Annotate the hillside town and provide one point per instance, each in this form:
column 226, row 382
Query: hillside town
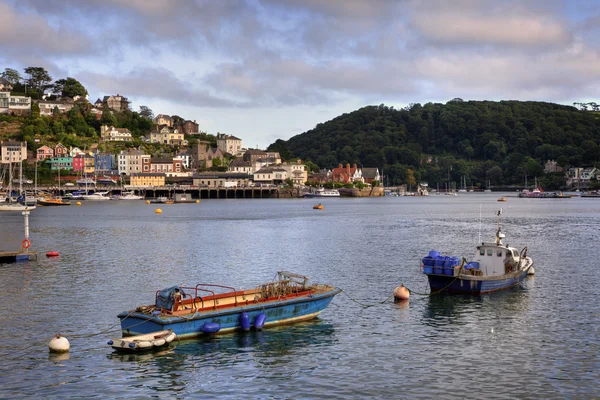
column 192, row 164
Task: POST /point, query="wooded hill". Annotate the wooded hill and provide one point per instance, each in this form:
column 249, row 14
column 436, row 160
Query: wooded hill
column 500, row 142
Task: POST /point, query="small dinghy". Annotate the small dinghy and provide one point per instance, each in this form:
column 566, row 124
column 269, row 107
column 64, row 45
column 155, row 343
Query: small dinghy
column 149, row 341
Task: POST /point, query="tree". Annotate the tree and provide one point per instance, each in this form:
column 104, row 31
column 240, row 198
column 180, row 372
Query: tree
column 35, row 110
column 11, row 75
column 69, row 87
column 146, row 112
column 38, row 78
column 108, row 118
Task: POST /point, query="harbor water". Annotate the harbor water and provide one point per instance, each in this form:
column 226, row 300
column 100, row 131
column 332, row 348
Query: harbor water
column 538, row 340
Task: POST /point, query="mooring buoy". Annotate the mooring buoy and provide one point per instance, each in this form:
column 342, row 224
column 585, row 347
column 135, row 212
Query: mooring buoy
column 59, row 344
column 401, row 293
column 158, row 211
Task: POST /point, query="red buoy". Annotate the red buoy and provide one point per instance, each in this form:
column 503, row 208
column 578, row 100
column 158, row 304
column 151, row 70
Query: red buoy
column 52, row 254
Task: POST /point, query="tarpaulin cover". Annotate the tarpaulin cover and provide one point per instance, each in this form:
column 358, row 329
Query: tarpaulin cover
column 165, row 297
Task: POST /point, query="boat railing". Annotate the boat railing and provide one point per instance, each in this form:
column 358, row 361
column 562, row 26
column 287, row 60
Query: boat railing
column 200, row 285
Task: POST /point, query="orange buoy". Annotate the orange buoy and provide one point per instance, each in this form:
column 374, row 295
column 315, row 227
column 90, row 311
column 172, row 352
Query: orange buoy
column 401, row 293
column 26, row 243
column 52, row 254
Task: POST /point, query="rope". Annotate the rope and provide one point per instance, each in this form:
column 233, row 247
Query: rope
column 366, row 305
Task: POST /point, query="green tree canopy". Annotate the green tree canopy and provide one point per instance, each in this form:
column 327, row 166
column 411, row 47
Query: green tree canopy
column 69, row 87
column 39, row 78
column 11, row 75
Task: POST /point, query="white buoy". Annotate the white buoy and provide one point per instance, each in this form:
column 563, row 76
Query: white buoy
column 531, row 271
column 59, row 344
column 401, row 293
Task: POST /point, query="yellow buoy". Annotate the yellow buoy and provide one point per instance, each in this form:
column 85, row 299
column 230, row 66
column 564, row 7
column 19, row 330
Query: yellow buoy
column 401, row 293
column 158, row 211
column 197, row 201
column 147, row 201
column 59, row 344
column 78, row 203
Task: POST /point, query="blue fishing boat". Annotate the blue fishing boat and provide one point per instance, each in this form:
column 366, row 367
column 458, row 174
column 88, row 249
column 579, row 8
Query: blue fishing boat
column 493, row 267
column 207, row 308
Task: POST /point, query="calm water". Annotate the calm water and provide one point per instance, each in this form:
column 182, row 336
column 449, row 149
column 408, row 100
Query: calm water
column 540, row 340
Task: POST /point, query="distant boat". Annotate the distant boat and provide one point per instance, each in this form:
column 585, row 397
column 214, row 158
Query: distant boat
column 128, row 196
column 96, row 196
column 55, row 201
column 106, row 180
column 15, row 207
column 85, row 181
column 318, row 206
column 322, row 192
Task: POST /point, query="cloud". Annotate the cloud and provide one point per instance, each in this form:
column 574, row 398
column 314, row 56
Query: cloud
column 29, row 33
column 155, row 83
column 481, row 23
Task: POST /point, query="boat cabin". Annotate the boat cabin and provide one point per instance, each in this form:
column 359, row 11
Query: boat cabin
column 495, row 259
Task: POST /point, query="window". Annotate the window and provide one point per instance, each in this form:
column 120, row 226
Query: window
column 499, row 253
column 490, row 252
column 482, row 252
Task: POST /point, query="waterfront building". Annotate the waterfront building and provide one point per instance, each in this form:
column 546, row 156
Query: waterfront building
column 112, row 134
column 221, row 179
column 346, row 174
column 147, row 179
column 133, row 161
column 295, row 171
column 84, row 163
column 13, row 152
column 165, row 165
column 270, row 175
column 203, row 154
column 187, row 127
column 105, row 162
column 47, row 106
column 163, row 119
column 240, row 166
column 62, row 163
column 166, row 135
column 370, row 174
column 229, row 143
column 18, row 105
column 44, row 152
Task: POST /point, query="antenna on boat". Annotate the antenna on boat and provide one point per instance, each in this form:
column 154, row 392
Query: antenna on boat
column 479, row 241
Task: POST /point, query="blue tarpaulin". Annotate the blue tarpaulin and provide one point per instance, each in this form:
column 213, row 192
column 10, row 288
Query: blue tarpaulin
column 165, row 297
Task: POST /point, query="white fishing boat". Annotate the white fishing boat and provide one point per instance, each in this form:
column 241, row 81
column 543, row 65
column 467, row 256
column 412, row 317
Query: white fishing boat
column 494, row 266
column 148, row 341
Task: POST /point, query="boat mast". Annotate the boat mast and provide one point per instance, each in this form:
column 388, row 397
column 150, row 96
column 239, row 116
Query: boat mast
column 499, row 234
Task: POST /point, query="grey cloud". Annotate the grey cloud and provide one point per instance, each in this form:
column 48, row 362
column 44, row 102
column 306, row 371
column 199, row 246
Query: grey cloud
column 156, row 83
column 22, row 33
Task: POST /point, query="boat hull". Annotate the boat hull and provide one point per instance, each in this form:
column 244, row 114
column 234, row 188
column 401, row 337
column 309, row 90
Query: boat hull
column 278, row 312
column 475, row 284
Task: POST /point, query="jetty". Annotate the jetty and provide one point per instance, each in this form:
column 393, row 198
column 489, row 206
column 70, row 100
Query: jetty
column 23, row 254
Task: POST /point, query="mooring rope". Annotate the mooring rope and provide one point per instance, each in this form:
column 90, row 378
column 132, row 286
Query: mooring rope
column 366, row 305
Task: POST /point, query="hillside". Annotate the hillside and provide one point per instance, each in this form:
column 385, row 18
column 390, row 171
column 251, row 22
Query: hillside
column 499, row 142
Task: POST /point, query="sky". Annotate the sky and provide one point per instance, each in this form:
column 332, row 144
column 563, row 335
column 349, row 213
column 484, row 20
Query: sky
column 263, row 70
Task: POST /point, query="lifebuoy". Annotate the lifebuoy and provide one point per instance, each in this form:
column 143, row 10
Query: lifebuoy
column 26, row 243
